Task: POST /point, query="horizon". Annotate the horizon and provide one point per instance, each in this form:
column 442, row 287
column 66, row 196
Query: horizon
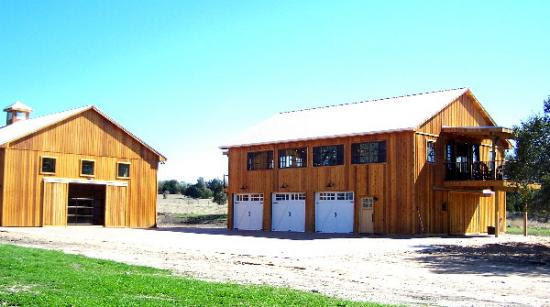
column 187, row 76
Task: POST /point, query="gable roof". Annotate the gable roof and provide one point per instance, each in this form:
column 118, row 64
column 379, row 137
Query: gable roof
column 401, row 113
column 21, row 129
column 18, row 106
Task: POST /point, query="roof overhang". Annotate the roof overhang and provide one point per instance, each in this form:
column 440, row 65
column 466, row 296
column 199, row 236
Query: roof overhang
column 500, row 134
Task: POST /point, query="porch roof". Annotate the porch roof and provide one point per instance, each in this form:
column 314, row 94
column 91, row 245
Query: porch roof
column 481, row 131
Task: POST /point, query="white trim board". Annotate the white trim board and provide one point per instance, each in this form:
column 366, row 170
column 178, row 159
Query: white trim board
column 86, row 181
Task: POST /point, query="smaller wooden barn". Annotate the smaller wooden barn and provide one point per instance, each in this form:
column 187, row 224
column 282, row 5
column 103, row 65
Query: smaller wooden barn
column 77, row 167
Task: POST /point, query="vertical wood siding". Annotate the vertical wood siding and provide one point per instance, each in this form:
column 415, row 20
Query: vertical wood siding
column 54, row 211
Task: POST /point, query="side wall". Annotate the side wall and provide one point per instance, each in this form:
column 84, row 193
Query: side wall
column 390, row 182
column 86, row 136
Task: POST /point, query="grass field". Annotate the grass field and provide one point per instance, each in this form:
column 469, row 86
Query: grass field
column 49, row 278
column 532, row 231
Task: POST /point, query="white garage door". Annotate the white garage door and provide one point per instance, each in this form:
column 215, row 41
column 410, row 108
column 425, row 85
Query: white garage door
column 288, row 211
column 248, row 211
column 334, row 212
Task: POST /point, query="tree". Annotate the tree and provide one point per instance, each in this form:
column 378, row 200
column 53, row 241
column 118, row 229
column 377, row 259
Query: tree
column 172, row 186
column 530, row 162
column 216, row 186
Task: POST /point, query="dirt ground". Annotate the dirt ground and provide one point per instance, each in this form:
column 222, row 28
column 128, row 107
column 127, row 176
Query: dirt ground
column 505, row 271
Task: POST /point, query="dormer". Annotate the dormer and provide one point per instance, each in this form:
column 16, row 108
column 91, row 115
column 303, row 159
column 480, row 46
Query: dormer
column 17, row 112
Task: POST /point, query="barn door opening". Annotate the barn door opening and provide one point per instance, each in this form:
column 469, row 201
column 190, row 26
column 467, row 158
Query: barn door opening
column 86, row 205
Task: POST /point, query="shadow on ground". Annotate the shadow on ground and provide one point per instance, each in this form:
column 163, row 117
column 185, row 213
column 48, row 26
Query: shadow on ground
column 488, row 259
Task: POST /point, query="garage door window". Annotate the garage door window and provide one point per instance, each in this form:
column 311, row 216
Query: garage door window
column 290, row 196
column 328, row 155
column 257, row 197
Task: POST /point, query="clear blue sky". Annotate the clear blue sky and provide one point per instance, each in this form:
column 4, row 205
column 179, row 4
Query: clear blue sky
column 187, row 75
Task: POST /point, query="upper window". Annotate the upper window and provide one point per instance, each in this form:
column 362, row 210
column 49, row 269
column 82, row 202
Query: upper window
column 20, row 115
column 123, row 170
column 47, row 165
column 87, row 168
column 430, row 151
column 295, row 157
column 260, row 160
column 328, row 155
column 370, row 152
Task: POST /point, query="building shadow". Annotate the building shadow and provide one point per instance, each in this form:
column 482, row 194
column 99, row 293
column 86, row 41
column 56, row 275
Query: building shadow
column 497, row 259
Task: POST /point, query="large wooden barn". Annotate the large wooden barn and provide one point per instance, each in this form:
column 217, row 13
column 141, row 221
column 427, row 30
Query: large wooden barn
column 77, row 167
column 428, row 163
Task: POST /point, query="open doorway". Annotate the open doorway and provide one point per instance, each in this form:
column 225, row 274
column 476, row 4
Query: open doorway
column 86, row 205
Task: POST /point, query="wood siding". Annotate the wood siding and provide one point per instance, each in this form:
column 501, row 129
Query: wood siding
column 116, row 206
column 85, row 136
column 54, row 211
column 390, row 182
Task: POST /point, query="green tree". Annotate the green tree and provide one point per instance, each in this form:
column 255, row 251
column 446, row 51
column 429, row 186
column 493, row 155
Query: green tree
column 530, row 163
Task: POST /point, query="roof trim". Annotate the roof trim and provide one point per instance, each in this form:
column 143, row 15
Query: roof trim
column 223, row 147
column 84, row 109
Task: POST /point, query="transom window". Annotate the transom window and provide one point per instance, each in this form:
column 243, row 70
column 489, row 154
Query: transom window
column 430, row 151
column 290, row 196
column 260, row 160
column 123, row 170
column 336, row 196
column 369, row 152
column 47, row 165
column 294, row 157
column 87, row 168
column 328, row 155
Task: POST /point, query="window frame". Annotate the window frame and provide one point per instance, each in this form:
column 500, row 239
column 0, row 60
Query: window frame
column 270, row 165
column 117, row 169
column 284, row 150
column 428, row 160
column 42, row 172
column 355, row 158
column 338, row 163
column 82, row 163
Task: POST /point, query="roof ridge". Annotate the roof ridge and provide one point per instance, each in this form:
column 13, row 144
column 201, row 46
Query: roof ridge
column 68, row 110
column 376, row 99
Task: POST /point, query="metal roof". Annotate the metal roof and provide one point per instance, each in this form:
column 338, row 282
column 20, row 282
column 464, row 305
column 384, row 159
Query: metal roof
column 22, row 128
column 18, row 106
column 365, row 117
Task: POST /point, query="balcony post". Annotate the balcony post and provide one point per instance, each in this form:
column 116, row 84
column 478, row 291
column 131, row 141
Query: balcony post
column 494, row 151
column 497, row 200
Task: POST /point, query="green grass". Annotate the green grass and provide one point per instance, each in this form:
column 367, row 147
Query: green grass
column 532, row 231
column 202, row 218
column 48, row 278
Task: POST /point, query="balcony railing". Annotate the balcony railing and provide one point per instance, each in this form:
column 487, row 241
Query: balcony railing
column 482, row 170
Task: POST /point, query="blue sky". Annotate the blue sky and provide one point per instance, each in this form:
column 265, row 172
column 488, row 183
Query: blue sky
column 187, row 75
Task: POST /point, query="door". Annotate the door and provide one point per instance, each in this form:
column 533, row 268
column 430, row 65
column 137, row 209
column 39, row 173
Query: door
column 54, row 206
column 367, row 215
column 248, row 211
column 116, row 206
column 334, row 212
column 288, row 212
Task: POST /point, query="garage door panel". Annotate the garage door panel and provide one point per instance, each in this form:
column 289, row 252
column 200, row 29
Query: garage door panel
column 288, row 212
column 334, row 212
column 248, row 211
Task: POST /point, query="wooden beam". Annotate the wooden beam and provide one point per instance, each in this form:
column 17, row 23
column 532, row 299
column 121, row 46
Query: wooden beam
column 497, row 202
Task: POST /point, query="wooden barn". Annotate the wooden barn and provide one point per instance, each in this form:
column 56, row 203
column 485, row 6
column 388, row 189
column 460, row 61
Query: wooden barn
column 77, row 167
column 428, row 163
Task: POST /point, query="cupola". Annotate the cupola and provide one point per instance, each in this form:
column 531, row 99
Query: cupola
column 17, row 112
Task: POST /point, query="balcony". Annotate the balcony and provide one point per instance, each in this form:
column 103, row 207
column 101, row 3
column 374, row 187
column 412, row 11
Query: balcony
column 481, row 170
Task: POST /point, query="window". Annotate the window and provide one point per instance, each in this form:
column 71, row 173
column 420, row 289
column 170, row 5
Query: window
column 336, row 196
column 430, row 151
column 290, row 196
column 21, row 115
column 370, row 152
column 295, row 157
column 123, row 170
column 249, row 197
column 87, row 168
column 328, row 155
column 367, row 202
column 260, row 160
column 47, row 165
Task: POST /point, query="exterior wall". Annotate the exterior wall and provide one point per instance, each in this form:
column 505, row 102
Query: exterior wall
column 85, row 136
column 390, row 182
column 460, row 208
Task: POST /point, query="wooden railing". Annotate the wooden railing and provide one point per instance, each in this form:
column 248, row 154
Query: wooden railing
column 481, row 170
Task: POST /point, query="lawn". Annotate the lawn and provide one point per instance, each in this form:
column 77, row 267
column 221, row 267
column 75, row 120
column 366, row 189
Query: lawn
column 532, row 231
column 49, row 278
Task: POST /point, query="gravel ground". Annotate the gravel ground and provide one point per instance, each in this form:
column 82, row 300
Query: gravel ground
column 505, row 271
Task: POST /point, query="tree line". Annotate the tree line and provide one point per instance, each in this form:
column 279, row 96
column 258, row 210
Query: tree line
column 201, row 189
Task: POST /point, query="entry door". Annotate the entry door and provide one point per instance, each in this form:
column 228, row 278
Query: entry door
column 116, row 206
column 248, row 211
column 334, row 212
column 54, row 206
column 367, row 215
column 288, row 212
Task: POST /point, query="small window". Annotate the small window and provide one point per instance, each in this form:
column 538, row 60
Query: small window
column 367, row 202
column 87, row 168
column 430, row 151
column 123, row 170
column 327, row 196
column 260, row 160
column 295, row 157
column 47, row 165
column 328, row 155
column 21, row 115
column 369, row 152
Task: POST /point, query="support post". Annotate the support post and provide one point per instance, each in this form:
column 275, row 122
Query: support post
column 497, row 200
column 494, row 156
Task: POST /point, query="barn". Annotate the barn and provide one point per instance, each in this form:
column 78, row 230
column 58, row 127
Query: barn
column 76, row 167
column 427, row 163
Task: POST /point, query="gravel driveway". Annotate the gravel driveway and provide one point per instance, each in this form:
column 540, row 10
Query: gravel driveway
column 510, row 270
